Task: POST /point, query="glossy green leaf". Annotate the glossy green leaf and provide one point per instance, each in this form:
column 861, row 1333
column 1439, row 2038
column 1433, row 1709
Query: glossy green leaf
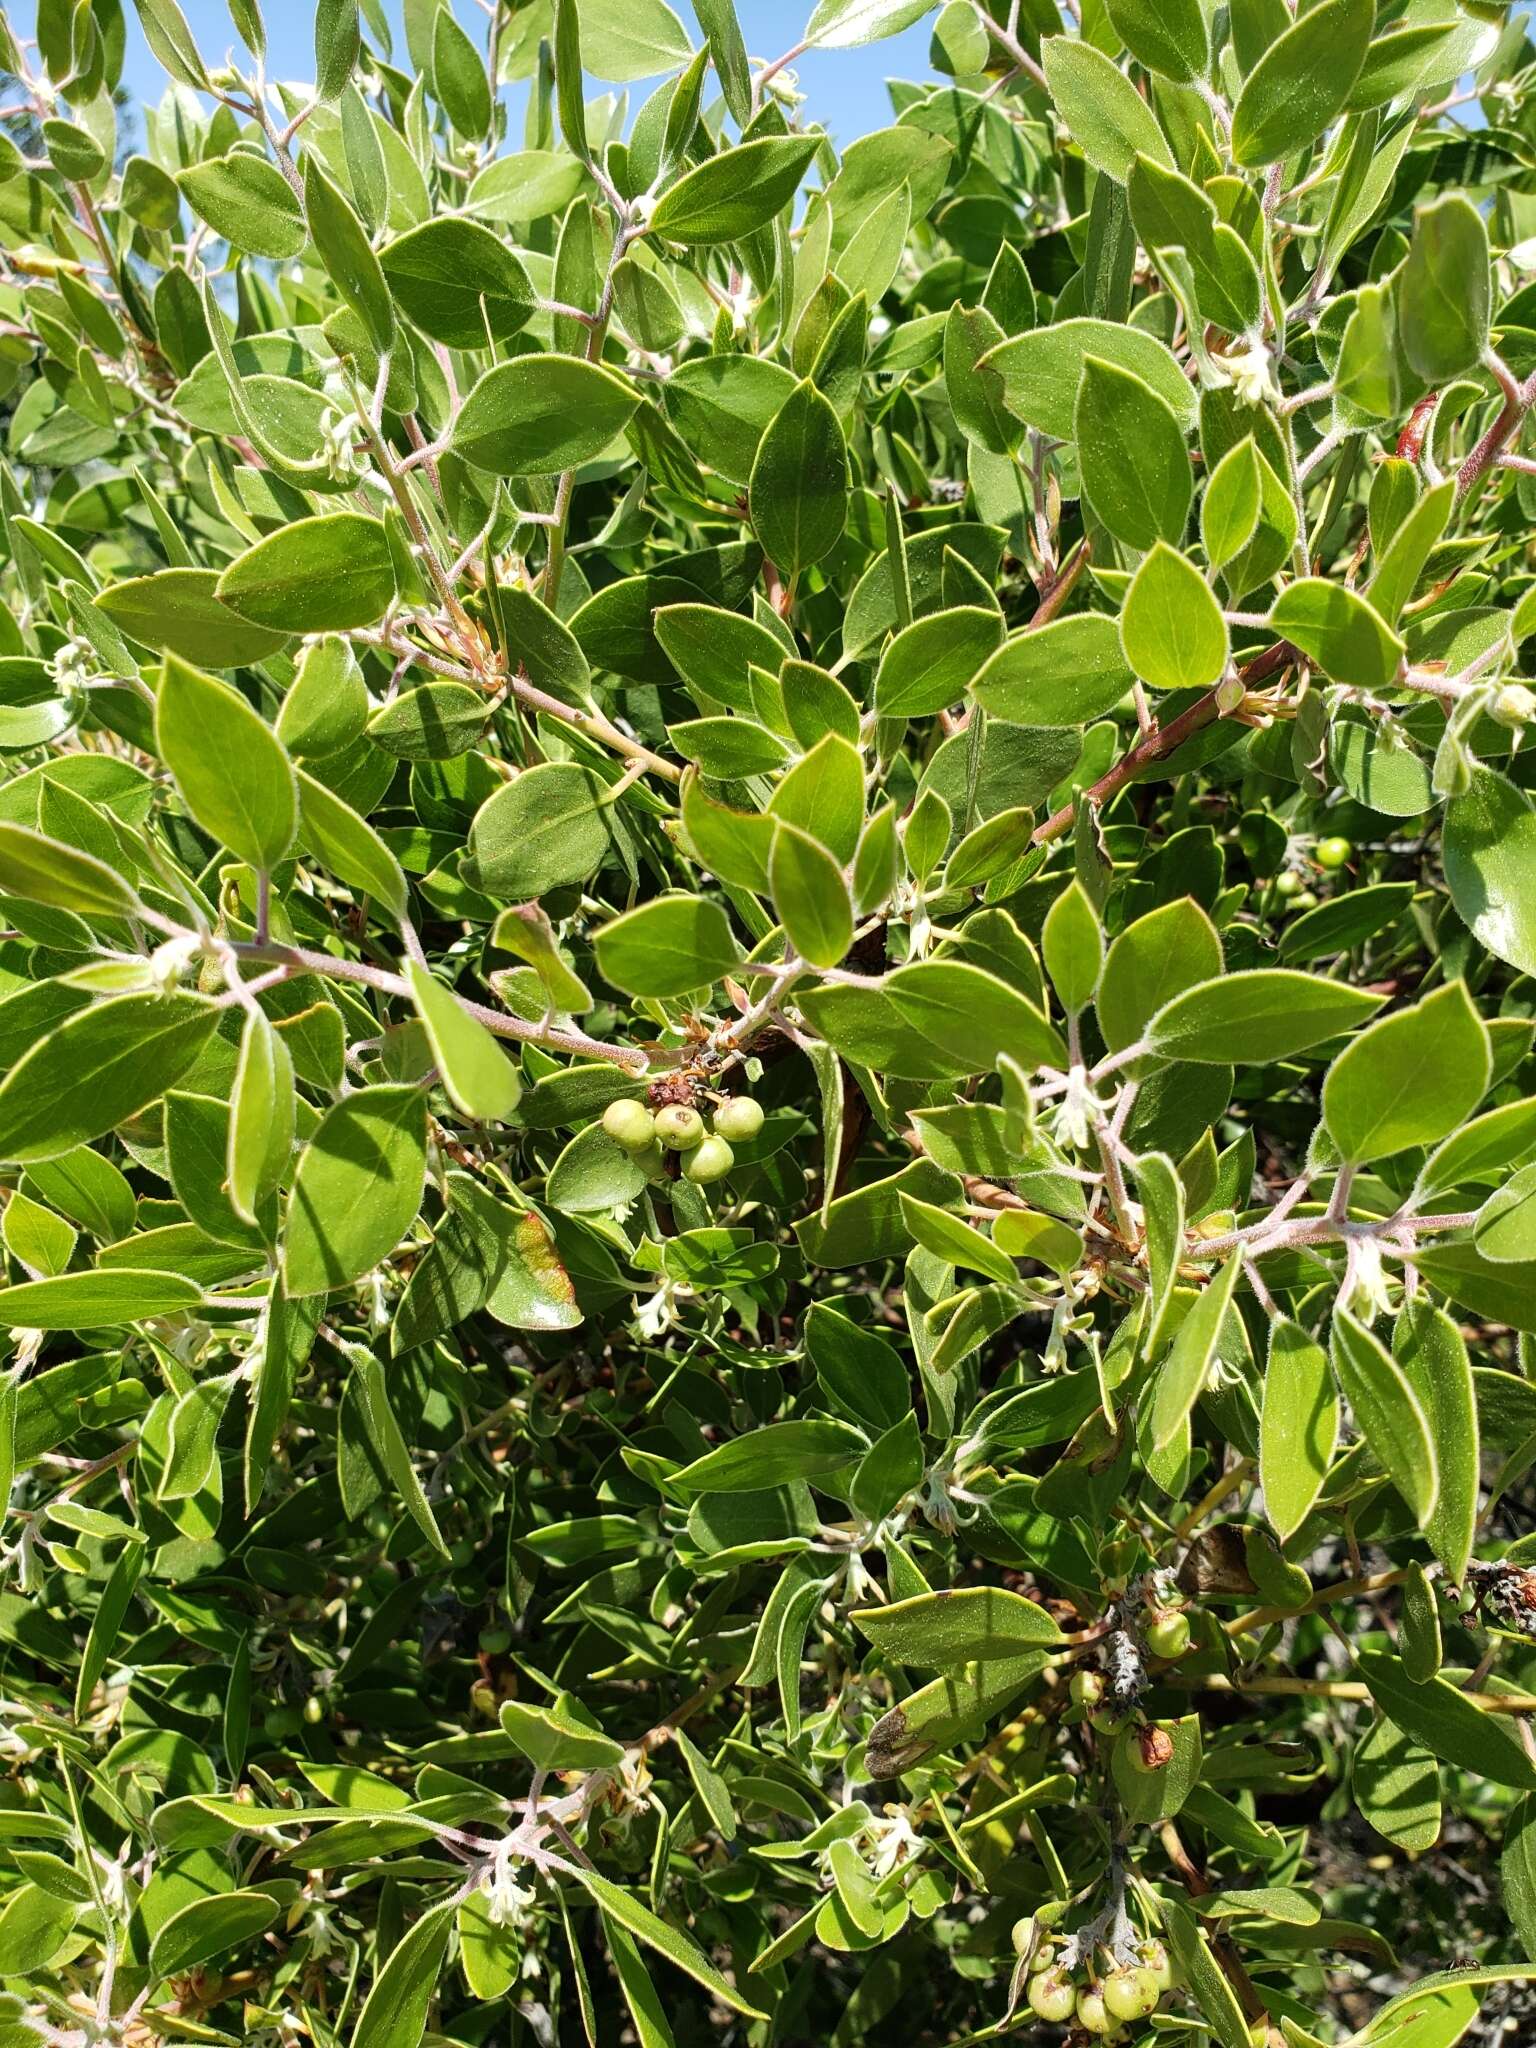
column 1408, row 1079
column 539, row 414
column 357, row 1188
column 1172, row 632
column 231, row 770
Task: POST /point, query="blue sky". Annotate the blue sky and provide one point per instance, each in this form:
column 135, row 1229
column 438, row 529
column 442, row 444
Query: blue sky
column 846, row 88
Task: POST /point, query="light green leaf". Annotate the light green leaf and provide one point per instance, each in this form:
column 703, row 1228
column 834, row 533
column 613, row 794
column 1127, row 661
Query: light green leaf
column 1301, row 82
column 348, row 845
column 96, row 1069
column 457, row 282
column 931, row 663
column 1261, row 1014
column 799, row 488
column 318, row 575
column 1448, row 1724
column 479, row 1077
column 394, row 2014
column 844, row 24
column 1432, row 1354
column 810, row 896
column 357, row 1188
column 1166, row 35
column 1135, row 468
column 1105, row 115
column 658, row 1934
column 1298, row 1428
column 1445, row 292
column 1489, row 849
column 735, row 193
column 1041, row 370
column 89, row 1301
column 1179, row 1381
column 947, row 1631
column 539, row 414
column 1171, row 630
column 43, row 870
column 261, row 1116
column 666, row 948
column 1409, row 1079
column 176, row 611
column 1388, row 1413
column 230, row 767
column 248, row 202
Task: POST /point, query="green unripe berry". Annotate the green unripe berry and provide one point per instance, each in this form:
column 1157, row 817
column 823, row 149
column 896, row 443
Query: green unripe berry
column 630, row 1124
column 739, row 1118
column 1092, row 2015
column 709, row 1161
column 1288, row 883
column 1168, row 1635
column 314, row 1710
column 1087, row 1688
column 1043, row 1959
column 495, row 1641
column 1334, row 852
column 652, row 1162
column 679, row 1128
column 1106, row 1720
column 1131, row 1994
column 1023, row 1934
column 1307, row 900
column 1051, row 1996
column 1153, row 1958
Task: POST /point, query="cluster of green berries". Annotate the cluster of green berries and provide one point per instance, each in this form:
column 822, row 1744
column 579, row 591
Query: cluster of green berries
column 706, row 1151
column 1101, row 2005
column 1330, row 854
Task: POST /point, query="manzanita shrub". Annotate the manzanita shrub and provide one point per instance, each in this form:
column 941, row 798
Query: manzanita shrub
column 766, row 1093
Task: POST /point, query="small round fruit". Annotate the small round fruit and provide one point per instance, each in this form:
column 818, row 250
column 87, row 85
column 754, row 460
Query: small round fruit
column 1131, row 1994
column 1287, row 883
column 1051, row 1996
column 679, row 1128
column 482, row 1698
column 1168, row 1635
column 1092, row 2014
column 1334, row 852
column 314, row 1710
column 1153, row 1958
column 629, row 1124
column 739, row 1118
column 1023, row 1934
column 1087, row 1688
column 712, row 1160
column 1043, row 1959
column 495, row 1641
column 1150, row 1748
column 1107, row 1720
column 1307, row 900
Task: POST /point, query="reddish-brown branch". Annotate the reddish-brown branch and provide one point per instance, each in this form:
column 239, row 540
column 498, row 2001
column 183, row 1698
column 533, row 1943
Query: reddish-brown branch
column 1157, row 746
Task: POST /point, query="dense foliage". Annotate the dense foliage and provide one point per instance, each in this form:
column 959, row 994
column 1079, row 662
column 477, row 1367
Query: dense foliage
column 767, row 1114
